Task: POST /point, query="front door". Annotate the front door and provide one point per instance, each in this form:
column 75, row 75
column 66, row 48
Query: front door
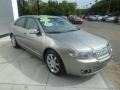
column 33, row 41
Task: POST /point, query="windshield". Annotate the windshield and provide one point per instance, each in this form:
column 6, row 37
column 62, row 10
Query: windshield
column 56, row 25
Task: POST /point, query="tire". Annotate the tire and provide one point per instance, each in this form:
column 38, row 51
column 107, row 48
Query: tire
column 14, row 42
column 54, row 62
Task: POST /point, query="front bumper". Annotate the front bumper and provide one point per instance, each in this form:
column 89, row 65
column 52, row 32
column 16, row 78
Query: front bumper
column 85, row 67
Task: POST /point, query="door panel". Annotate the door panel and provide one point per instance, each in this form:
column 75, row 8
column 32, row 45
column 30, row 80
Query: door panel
column 32, row 41
column 19, row 29
column 20, row 35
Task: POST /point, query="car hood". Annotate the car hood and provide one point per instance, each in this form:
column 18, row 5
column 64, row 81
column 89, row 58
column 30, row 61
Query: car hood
column 80, row 40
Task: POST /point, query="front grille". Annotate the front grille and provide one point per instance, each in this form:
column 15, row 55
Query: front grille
column 104, row 52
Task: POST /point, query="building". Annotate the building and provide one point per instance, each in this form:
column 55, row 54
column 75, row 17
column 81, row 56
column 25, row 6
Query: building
column 8, row 13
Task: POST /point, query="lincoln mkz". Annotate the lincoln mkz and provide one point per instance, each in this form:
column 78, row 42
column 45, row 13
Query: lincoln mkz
column 61, row 45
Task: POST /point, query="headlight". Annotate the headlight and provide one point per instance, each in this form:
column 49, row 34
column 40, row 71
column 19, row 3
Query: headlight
column 81, row 55
column 85, row 55
column 72, row 53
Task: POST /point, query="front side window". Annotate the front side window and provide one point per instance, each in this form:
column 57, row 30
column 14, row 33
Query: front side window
column 31, row 24
column 20, row 22
column 56, row 25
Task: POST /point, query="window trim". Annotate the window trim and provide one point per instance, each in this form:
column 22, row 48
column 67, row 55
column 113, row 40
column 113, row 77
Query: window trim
column 18, row 21
column 33, row 19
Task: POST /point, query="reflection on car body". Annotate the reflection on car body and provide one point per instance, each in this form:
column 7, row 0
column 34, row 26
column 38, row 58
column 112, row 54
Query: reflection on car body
column 61, row 45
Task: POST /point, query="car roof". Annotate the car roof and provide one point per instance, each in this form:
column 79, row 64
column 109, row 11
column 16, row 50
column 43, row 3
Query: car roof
column 39, row 16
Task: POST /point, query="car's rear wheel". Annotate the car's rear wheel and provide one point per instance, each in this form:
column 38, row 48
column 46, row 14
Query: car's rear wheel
column 14, row 42
column 54, row 62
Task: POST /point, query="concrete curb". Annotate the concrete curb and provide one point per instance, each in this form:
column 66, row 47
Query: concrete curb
column 4, row 35
column 107, row 81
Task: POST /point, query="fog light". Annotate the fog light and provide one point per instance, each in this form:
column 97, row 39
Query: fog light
column 86, row 71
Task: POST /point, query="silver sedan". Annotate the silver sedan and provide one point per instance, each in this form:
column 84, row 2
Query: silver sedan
column 64, row 47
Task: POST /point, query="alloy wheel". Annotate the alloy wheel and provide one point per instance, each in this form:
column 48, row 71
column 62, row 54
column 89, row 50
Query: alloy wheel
column 53, row 63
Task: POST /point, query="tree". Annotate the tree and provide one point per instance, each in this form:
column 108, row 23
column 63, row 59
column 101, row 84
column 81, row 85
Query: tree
column 49, row 8
column 106, row 7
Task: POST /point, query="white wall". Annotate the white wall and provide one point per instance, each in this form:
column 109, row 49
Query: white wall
column 8, row 13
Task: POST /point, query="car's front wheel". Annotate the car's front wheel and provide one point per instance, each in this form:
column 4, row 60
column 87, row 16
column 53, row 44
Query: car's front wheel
column 54, row 62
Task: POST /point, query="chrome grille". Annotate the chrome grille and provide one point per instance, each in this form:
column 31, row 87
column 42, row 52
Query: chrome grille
column 104, row 52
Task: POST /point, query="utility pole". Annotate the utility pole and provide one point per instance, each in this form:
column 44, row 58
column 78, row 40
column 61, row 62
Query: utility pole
column 38, row 7
column 109, row 6
column 86, row 5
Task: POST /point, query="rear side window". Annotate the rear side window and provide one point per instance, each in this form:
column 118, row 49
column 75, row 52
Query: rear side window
column 20, row 22
column 31, row 24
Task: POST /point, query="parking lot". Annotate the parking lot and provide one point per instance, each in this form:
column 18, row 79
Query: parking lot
column 20, row 70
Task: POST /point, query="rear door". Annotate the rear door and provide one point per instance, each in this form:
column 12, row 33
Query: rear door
column 19, row 30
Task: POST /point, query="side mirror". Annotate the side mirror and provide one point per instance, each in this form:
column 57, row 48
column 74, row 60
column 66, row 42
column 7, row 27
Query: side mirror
column 33, row 31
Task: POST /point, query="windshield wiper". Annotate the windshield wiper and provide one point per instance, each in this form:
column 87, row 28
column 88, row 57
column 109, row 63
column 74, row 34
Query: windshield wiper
column 72, row 30
column 62, row 32
column 54, row 32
